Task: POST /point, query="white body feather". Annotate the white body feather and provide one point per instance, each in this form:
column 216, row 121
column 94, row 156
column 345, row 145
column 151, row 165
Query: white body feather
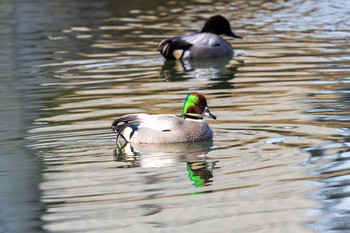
column 207, row 45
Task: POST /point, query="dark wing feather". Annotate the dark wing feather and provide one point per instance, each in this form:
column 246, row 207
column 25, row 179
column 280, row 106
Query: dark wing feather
column 168, row 46
column 123, row 122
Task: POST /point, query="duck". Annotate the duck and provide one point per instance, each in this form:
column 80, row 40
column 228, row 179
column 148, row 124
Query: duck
column 189, row 126
column 205, row 44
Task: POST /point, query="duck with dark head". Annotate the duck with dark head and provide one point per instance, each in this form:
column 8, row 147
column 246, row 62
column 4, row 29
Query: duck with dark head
column 205, row 44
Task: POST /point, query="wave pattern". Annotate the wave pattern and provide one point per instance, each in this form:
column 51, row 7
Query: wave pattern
column 280, row 155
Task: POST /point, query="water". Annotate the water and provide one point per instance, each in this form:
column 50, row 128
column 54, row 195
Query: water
column 280, row 157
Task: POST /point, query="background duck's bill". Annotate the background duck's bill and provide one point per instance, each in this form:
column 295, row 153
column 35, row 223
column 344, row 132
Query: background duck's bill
column 234, row 35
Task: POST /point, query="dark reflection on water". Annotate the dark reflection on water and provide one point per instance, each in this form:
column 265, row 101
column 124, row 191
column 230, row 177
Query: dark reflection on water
column 219, row 70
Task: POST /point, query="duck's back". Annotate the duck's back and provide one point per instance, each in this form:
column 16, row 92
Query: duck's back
column 195, row 46
column 203, row 39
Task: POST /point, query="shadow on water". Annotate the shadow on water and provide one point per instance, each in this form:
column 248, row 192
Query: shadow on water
column 200, row 170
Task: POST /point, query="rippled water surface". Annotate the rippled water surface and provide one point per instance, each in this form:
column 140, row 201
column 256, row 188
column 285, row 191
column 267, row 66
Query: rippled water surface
column 280, row 157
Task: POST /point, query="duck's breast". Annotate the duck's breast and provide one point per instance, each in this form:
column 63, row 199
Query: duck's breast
column 197, row 131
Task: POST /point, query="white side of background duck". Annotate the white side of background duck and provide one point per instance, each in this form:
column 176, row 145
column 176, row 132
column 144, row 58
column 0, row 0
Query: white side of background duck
column 164, row 128
column 203, row 45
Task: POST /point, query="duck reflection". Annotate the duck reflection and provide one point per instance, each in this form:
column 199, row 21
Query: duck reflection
column 221, row 70
column 200, row 171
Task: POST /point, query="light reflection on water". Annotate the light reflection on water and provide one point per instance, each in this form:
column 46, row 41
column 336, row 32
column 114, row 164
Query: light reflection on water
column 200, row 170
column 279, row 157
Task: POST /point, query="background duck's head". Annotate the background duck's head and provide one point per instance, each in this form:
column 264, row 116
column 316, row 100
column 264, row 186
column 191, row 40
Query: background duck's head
column 195, row 106
column 219, row 25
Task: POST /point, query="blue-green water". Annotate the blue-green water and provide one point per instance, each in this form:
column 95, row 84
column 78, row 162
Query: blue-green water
column 279, row 159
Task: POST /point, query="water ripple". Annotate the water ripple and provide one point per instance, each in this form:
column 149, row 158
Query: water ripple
column 280, row 151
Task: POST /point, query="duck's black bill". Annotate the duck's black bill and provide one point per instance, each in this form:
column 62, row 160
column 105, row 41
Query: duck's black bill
column 234, row 35
column 209, row 114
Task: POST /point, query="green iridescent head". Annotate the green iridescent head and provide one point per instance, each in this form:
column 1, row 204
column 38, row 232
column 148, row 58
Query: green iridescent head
column 196, row 104
column 190, row 102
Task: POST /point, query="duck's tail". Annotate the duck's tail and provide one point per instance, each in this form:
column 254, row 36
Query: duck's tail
column 174, row 48
column 120, row 124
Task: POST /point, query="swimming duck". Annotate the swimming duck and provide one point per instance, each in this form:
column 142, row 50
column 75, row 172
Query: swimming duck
column 205, row 44
column 164, row 128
